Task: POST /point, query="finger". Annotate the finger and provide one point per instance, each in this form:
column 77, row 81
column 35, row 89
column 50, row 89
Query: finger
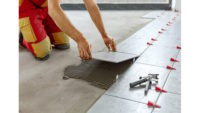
column 86, row 56
column 113, row 46
column 108, row 46
column 81, row 54
column 89, row 53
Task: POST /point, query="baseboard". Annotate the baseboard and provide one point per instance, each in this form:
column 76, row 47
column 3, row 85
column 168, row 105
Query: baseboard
column 120, row 6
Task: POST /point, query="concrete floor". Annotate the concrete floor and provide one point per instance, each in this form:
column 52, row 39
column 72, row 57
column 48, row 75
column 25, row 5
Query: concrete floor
column 42, row 89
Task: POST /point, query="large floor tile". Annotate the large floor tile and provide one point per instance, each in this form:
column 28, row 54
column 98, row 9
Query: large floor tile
column 109, row 104
column 121, row 87
column 158, row 55
column 170, row 103
column 173, row 84
column 165, row 40
column 174, row 30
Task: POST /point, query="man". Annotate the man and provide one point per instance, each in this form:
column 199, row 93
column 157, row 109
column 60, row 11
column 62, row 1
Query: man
column 43, row 23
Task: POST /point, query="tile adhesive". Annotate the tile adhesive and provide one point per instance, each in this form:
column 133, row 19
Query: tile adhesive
column 97, row 73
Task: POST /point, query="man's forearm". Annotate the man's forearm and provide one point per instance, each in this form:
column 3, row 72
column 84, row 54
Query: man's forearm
column 96, row 16
column 63, row 22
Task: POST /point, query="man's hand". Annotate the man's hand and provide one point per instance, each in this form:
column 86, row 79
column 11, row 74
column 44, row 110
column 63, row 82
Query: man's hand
column 84, row 49
column 94, row 12
column 110, row 43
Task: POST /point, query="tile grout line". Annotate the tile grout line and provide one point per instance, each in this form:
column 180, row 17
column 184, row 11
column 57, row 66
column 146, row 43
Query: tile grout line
column 173, row 93
column 125, row 99
column 150, row 65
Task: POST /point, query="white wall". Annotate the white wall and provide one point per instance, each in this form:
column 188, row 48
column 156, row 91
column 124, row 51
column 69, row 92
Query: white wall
column 176, row 5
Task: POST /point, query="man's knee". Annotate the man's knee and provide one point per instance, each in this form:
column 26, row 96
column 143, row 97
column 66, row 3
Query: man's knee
column 42, row 49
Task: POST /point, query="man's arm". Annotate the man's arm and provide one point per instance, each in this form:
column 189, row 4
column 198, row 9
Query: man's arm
column 62, row 21
column 97, row 19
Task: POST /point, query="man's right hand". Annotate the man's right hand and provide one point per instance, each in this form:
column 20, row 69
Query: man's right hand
column 84, row 49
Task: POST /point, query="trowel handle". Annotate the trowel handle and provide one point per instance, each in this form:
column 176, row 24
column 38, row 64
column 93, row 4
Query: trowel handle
column 133, row 84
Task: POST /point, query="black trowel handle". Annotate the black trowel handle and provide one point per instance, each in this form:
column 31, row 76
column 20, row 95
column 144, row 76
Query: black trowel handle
column 133, row 84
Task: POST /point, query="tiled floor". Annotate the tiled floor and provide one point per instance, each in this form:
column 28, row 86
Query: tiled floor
column 121, row 99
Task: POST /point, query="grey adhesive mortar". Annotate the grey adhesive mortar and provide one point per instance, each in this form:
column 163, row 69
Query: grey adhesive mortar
column 97, row 73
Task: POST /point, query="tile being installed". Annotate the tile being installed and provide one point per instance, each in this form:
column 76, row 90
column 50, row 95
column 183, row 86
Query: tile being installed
column 158, row 56
column 121, row 87
column 114, row 57
column 170, row 103
column 133, row 46
column 109, row 104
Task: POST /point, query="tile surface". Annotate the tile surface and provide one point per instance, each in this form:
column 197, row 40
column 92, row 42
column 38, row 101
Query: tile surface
column 173, row 83
column 132, row 46
column 121, row 87
column 158, row 56
column 109, row 104
column 114, row 57
column 170, row 103
column 167, row 42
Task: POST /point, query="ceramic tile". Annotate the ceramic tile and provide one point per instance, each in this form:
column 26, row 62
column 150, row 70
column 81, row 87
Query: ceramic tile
column 109, row 104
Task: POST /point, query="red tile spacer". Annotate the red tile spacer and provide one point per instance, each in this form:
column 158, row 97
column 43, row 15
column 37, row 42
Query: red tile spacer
column 158, row 89
column 167, row 24
column 153, row 39
column 178, row 47
column 148, row 43
column 151, row 104
column 170, row 68
column 163, row 29
column 173, row 60
column 159, row 32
